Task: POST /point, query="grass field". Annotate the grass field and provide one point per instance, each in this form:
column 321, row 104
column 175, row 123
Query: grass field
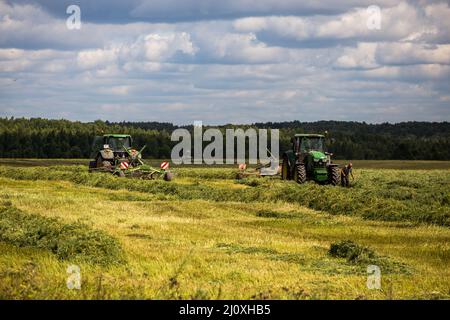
column 362, row 164
column 206, row 235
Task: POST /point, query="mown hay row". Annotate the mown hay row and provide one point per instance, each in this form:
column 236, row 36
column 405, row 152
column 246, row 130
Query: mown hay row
column 389, row 195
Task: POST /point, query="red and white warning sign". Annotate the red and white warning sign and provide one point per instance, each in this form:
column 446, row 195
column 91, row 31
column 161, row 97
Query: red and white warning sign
column 165, row 165
column 124, row 165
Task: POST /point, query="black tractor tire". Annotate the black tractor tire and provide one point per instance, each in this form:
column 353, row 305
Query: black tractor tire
column 334, row 176
column 285, row 172
column 121, row 174
column 168, row 176
column 103, row 164
column 106, row 164
column 300, row 173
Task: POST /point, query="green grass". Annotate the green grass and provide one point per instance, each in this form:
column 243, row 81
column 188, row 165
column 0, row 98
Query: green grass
column 399, row 164
column 416, row 196
column 73, row 242
column 357, row 254
column 207, row 236
column 360, row 164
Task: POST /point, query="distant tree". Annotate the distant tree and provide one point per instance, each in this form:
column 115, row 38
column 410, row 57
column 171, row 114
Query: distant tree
column 43, row 138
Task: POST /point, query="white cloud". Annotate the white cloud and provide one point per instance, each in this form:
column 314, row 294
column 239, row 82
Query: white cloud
column 161, row 47
column 96, row 58
column 146, row 53
column 361, row 57
column 404, row 21
column 241, row 48
column 412, row 53
column 296, row 28
column 374, row 55
column 412, row 72
column 438, row 27
column 115, row 90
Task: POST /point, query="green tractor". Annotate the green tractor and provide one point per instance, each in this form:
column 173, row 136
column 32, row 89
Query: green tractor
column 113, row 153
column 109, row 150
column 308, row 161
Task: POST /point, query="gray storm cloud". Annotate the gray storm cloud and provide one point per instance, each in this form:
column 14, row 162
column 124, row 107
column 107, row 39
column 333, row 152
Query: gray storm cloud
column 234, row 61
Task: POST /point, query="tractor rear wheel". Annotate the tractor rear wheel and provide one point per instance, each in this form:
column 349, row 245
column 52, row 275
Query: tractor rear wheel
column 334, row 176
column 285, row 170
column 300, row 173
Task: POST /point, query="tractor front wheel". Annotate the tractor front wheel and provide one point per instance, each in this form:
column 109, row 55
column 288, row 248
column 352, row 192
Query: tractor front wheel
column 104, row 164
column 300, row 173
column 168, row 176
column 334, row 177
column 107, row 165
column 285, row 170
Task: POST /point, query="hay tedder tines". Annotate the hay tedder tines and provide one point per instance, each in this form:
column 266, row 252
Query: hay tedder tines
column 269, row 168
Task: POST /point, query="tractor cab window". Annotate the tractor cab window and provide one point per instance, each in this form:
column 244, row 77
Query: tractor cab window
column 96, row 146
column 117, row 144
column 309, row 144
column 98, row 142
column 295, row 144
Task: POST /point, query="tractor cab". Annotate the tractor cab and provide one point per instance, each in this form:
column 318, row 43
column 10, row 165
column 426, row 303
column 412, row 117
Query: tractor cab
column 304, row 143
column 115, row 142
column 109, row 148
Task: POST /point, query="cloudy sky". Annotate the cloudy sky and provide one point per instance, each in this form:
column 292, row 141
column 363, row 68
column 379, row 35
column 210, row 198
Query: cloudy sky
column 238, row 61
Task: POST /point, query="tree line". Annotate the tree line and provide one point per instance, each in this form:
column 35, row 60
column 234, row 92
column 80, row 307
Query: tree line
column 45, row 138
